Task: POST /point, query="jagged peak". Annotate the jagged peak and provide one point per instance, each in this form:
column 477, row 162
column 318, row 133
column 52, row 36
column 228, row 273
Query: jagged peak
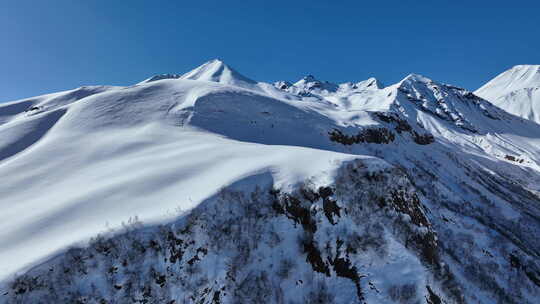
column 310, row 82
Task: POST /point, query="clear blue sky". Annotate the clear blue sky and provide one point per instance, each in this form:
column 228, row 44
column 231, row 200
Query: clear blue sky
column 48, row 46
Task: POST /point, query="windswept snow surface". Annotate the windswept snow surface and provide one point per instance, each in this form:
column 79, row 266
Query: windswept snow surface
column 413, row 192
column 517, row 91
column 97, row 162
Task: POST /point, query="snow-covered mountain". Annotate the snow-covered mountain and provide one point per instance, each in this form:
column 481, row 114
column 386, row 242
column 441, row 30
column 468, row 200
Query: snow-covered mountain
column 209, row 187
column 517, row 91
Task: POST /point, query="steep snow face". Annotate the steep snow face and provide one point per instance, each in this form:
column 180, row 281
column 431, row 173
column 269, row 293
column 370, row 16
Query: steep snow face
column 524, row 103
column 517, row 78
column 252, row 192
column 517, row 91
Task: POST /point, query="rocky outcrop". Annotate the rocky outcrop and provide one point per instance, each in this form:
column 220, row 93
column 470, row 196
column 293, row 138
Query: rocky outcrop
column 311, row 245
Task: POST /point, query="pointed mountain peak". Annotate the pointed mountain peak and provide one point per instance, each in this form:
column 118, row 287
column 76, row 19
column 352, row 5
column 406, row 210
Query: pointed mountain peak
column 211, row 64
column 217, row 71
column 412, row 78
column 370, row 83
column 214, row 70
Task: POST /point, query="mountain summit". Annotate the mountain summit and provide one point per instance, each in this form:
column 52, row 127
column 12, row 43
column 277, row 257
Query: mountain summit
column 214, row 70
column 217, row 71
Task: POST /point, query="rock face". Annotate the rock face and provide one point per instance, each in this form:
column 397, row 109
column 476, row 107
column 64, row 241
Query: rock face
column 219, row 189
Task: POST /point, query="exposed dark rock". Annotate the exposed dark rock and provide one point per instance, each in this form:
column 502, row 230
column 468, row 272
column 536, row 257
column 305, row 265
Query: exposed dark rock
column 432, row 297
column 314, row 256
column 296, row 210
column 401, row 125
column 423, row 139
column 344, row 268
column 534, row 276
column 368, row 135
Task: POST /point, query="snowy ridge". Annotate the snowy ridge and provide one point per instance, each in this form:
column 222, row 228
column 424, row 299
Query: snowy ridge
column 517, row 91
column 161, row 77
column 309, row 86
column 416, row 192
column 49, row 102
column 447, row 102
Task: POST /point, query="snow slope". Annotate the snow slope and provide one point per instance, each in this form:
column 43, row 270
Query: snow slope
column 74, row 159
column 517, row 91
column 254, row 192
